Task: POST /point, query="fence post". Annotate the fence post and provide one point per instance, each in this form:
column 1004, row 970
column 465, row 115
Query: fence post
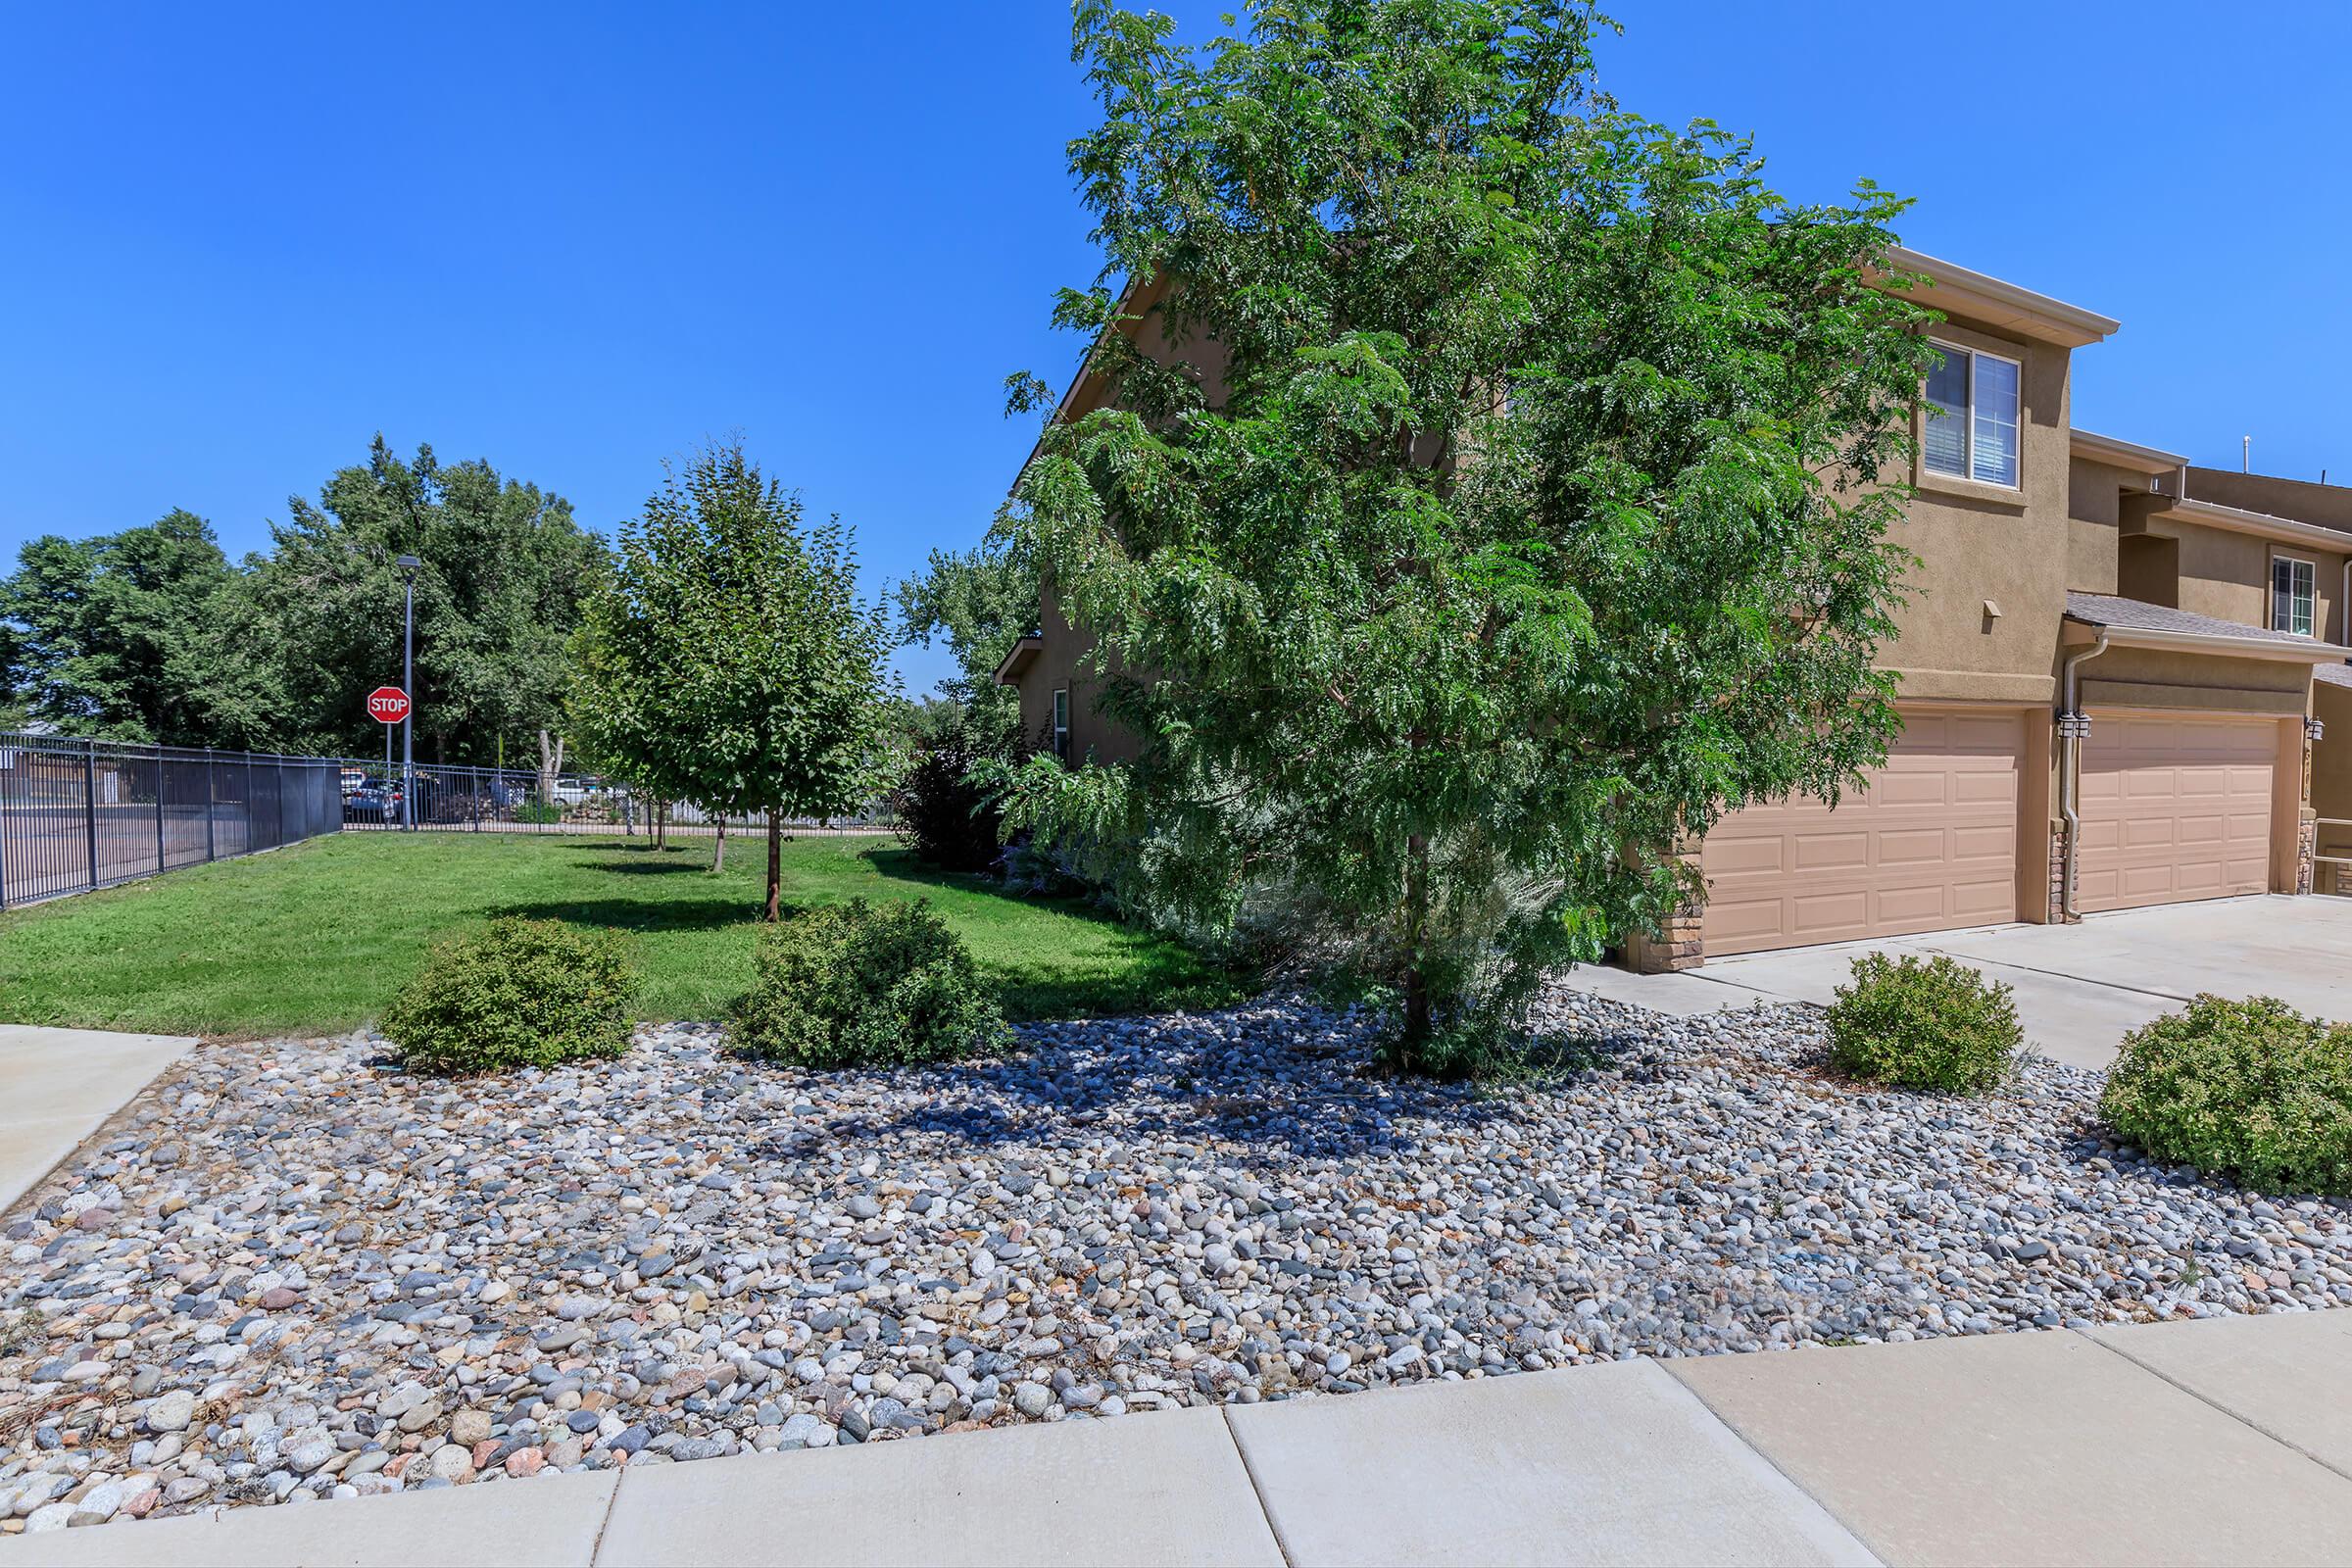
column 89, row 802
column 281, row 801
column 159, row 810
column 209, row 855
column 478, row 800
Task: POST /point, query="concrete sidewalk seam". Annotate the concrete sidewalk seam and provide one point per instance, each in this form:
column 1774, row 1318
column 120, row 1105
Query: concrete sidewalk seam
column 596, row 1546
column 1731, row 1426
column 2157, row 1372
column 1241, row 1449
column 2059, row 974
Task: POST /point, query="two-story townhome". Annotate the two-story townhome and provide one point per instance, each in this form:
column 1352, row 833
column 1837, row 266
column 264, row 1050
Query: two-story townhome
column 2106, row 670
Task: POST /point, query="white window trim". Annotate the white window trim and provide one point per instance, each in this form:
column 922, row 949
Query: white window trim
column 2309, row 566
column 1060, row 723
column 1968, row 418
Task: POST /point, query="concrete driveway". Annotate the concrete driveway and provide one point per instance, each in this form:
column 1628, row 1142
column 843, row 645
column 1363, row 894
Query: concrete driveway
column 2079, row 988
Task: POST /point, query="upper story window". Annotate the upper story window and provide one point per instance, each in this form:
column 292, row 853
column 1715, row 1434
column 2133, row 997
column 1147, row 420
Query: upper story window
column 1062, row 722
column 1973, row 426
column 2294, row 603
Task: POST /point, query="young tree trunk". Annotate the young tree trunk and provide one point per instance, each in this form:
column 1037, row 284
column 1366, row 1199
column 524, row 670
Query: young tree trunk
column 718, row 849
column 660, row 824
column 1417, row 1009
column 775, row 865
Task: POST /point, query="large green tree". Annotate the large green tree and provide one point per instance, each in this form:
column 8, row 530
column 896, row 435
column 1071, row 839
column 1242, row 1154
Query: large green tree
column 1522, row 508
column 505, row 566
column 727, row 659
column 143, row 635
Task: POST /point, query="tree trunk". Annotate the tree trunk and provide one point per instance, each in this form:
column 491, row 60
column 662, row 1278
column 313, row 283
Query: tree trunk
column 718, row 849
column 1417, row 1010
column 775, row 865
column 550, row 767
column 660, row 824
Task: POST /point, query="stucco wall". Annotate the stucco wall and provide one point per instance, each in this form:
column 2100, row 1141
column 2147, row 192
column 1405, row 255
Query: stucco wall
column 1977, row 542
column 2228, row 575
column 1061, row 665
column 2329, row 505
column 2153, row 677
column 2331, row 779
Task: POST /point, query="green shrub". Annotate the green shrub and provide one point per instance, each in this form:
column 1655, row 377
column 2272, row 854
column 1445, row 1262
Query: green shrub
column 517, row 994
column 538, row 811
column 855, row 984
column 1923, row 1024
column 2250, row 1088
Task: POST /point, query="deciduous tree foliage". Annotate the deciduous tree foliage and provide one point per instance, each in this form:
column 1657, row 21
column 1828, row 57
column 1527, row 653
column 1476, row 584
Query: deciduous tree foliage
column 497, row 598
column 726, row 659
column 152, row 634
column 137, row 636
column 1538, row 516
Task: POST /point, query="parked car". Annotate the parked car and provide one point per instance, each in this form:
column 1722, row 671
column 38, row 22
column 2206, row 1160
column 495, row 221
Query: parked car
column 576, row 791
column 375, row 801
column 354, row 779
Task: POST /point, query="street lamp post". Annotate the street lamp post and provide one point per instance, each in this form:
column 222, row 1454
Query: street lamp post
column 408, row 683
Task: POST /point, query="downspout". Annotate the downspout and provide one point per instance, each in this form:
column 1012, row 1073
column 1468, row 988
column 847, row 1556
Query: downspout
column 2071, row 725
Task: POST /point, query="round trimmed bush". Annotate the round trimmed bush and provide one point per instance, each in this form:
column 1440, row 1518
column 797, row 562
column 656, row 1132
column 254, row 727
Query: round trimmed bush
column 1922, row 1023
column 518, row 993
column 2251, row 1088
column 859, row 985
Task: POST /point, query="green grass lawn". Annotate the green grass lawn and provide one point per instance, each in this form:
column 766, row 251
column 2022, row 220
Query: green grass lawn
column 316, row 938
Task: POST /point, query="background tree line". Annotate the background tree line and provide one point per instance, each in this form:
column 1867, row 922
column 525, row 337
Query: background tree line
column 154, row 635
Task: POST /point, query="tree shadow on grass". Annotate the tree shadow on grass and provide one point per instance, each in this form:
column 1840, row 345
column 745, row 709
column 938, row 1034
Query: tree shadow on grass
column 641, row 914
column 639, row 863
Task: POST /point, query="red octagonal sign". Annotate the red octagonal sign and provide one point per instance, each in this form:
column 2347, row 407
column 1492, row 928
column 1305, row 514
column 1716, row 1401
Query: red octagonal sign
column 387, row 705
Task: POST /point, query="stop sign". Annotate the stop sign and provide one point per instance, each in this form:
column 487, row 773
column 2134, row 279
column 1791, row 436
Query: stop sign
column 387, row 705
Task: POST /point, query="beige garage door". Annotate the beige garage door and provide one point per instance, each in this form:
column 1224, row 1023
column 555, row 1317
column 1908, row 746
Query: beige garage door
column 1931, row 845
column 2175, row 809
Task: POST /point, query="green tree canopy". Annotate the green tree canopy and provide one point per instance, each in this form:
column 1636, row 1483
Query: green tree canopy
column 497, row 598
column 1523, row 507
column 728, row 660
column 137, row 636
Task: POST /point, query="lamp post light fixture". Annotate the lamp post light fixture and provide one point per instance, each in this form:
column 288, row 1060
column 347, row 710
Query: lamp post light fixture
column 408, row 566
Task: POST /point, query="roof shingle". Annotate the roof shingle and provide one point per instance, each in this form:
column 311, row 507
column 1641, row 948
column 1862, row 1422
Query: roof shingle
column 2134, row 615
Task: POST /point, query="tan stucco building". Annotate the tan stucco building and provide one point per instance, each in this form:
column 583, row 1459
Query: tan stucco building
column 2107, row 673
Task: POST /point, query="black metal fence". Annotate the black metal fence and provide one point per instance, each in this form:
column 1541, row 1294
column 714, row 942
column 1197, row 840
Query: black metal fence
column 78, row 815
column 489, row 800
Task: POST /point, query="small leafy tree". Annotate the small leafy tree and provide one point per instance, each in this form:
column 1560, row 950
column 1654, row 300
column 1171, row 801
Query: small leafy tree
column 728, row 660
column 1513, row 504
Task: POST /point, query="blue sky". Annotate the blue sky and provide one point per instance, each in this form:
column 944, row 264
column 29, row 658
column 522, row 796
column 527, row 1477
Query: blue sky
column 235, row 243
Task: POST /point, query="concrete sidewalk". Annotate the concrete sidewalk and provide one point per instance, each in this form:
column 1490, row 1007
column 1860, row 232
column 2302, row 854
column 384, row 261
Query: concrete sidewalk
column 2220, row 1441
column 59, row 1085
column 2080, row 988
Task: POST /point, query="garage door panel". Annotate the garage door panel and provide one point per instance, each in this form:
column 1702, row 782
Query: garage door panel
column 1930, row 843
column 1831, row 916
column 2175, row 809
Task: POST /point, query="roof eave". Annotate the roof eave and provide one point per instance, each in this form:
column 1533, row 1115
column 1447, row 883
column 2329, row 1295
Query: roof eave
column 2121, row 453
column 1981, row 297
column 1018, row 657
column 2299, row 651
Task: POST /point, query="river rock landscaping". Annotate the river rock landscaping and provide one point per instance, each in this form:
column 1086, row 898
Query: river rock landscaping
column 293, row 1270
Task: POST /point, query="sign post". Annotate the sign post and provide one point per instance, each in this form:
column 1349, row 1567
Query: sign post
column 388, row 705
